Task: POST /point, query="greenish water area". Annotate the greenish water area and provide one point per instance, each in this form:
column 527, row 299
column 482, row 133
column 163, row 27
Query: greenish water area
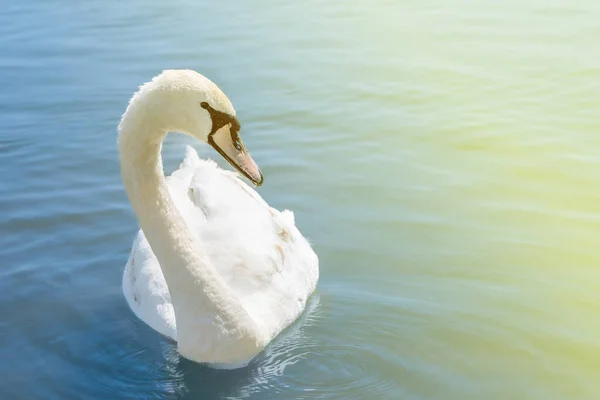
column 442, row 157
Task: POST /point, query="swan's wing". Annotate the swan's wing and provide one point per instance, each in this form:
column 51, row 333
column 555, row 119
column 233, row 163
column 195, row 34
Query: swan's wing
column 145, row 289
column 257, row 250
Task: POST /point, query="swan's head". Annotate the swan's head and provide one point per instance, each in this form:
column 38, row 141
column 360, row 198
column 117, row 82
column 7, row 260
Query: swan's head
column 187, row 102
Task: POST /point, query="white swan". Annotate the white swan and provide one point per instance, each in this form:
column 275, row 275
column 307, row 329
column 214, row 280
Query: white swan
column 213, row 266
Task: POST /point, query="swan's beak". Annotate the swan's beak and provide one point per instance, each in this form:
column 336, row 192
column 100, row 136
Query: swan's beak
column 236, row 154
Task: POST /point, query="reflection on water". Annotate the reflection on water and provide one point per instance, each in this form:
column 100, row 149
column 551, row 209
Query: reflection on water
column 442, row 157
column 160, row 369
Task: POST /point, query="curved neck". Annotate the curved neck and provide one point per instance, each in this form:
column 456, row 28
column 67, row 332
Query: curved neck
column 207, row 312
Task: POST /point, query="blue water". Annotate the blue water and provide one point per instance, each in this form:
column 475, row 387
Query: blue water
column 442, row 158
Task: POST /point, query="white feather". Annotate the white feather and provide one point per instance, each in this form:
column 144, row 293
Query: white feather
column 257, row 250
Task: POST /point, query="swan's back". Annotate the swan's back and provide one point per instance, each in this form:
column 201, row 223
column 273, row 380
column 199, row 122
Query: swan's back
column 258, row 250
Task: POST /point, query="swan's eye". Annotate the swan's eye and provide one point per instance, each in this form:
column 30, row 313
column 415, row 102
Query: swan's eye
column 235, row 138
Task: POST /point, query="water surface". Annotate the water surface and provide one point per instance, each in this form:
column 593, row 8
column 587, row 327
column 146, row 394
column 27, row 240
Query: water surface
column 443, row 157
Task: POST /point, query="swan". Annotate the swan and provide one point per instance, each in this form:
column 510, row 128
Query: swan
column 213, row 266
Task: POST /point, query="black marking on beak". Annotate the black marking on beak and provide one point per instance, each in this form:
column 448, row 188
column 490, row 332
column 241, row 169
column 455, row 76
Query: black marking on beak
column 219, row 120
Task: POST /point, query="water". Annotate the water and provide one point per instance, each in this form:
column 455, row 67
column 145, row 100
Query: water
column 443, row 157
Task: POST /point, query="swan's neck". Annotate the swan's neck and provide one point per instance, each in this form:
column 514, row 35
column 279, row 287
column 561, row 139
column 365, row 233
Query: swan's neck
column 212, row 324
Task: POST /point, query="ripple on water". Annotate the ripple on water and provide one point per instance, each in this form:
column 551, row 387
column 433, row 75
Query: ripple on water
column 332, row 369
column 129, row 358
column 297, row 366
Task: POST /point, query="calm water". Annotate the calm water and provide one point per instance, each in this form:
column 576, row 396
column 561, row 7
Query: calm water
column 443, row 157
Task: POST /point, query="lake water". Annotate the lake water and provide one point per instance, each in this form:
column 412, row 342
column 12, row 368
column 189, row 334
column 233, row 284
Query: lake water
column 443, row 157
